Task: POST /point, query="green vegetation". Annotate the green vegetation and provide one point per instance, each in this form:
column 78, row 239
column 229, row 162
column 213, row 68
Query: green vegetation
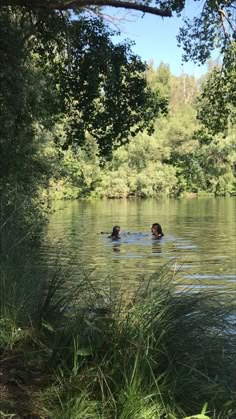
column 74, row 350
column 89, row 119
column 55, row 74
column 185, row 154
column 82, row 117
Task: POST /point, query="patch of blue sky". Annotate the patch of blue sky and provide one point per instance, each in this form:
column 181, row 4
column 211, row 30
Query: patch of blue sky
column 155, row 38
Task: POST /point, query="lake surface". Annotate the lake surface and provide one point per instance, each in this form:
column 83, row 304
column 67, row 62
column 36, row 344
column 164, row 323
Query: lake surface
column 200, row 240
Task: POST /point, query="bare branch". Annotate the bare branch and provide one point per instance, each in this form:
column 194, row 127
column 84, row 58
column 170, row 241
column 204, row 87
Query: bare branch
column 116, row 21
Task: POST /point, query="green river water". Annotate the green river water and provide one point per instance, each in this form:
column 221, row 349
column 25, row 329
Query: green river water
column 199, row 241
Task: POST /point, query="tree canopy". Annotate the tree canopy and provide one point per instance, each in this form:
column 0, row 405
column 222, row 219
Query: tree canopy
column 217, row 105
column 59, row 67
column 95, row 86
column 214, row 26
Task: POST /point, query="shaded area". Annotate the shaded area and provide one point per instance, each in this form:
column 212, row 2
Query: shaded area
column 21, row 384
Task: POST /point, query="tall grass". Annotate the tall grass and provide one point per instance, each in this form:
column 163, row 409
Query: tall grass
column 163, row 354
column 32, row 296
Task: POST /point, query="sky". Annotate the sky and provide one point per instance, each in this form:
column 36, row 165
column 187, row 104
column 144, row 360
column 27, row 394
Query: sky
column 155, row 39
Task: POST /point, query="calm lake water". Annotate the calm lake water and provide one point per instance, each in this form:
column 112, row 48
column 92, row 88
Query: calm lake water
column 200, row 240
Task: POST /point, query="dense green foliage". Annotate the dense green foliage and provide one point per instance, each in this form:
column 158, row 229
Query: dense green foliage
column 24, row 166
column 217, row 107
column 183, row 155
column 56, row 72
column 105, row 92
column 80, row 115
column 74, row 108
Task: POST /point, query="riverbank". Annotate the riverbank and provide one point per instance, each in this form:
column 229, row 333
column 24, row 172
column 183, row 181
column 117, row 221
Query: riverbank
column 66, row 190
column 69, row 350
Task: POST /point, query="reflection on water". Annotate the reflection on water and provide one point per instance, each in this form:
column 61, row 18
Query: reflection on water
column 116, row 247
column 156, row 246
column 199, row 237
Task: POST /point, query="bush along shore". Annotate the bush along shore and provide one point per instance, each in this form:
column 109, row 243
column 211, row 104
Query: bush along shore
column 70, row 350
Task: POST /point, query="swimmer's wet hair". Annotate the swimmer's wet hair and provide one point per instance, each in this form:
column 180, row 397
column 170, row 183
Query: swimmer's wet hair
column 115, row 231
column 158, row 228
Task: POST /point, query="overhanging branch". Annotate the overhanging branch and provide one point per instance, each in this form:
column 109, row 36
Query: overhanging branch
column 76, row 4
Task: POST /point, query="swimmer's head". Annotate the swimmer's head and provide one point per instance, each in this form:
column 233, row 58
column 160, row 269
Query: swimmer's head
column 116, row 231
column 157, row 230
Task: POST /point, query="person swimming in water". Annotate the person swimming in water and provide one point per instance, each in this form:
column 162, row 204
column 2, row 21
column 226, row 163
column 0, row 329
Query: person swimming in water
column 157, row 231
column 115, row 235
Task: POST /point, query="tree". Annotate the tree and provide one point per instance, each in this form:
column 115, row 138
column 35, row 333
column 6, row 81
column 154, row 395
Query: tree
column 100, row 87
column 217, row 103
column 57, row 70
column 104, row 88
column 184, row 90
column 159, row 79
column 214, row 27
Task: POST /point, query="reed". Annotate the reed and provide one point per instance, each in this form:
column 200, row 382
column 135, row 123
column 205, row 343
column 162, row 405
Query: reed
column 164, row 354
